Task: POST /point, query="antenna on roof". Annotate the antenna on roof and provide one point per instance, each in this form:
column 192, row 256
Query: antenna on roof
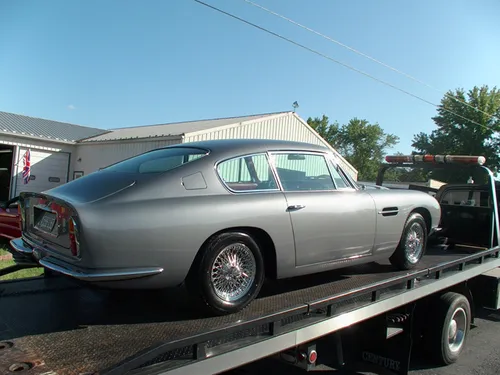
column 295, row 105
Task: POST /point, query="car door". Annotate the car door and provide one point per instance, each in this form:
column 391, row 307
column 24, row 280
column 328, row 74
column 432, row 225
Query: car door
column 330, row 221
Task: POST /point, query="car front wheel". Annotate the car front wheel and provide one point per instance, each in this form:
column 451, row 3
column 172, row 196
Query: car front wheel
column 230, row 272
column 412, row 245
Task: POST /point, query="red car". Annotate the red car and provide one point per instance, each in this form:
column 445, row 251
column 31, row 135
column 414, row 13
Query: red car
column 10, row 219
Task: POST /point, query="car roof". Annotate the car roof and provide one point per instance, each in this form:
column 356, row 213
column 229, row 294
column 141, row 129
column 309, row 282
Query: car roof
column 242, row 146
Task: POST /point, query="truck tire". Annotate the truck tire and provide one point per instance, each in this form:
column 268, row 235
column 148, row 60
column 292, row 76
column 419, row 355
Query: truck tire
column 412, row 244
column 447, row 337
column 229, row 273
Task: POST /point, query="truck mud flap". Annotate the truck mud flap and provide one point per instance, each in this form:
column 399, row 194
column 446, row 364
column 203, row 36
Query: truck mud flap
column 381, row 342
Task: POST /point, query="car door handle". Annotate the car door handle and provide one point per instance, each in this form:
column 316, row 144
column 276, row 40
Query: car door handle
column 295, row 207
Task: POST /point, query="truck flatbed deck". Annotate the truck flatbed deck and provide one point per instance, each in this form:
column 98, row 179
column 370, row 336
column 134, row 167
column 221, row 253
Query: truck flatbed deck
column 59, row 327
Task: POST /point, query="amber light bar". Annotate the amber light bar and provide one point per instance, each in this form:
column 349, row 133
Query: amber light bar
column 436, row 159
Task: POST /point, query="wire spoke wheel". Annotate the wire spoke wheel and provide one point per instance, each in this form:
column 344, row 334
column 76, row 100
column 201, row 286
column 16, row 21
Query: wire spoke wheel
column 233, row 272
column 229, row 272
column 414, row 242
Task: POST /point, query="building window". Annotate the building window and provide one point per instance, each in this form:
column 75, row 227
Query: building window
column 247, row 173
column 302, row 171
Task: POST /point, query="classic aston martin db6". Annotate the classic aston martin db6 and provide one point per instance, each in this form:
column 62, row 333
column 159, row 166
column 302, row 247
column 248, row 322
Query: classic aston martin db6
column 219, row 216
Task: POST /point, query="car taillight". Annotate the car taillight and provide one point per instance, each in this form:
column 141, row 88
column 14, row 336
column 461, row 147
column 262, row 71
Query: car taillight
column 74, row 237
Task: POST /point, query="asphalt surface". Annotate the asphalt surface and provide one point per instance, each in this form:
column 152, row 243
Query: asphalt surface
column 480, row 357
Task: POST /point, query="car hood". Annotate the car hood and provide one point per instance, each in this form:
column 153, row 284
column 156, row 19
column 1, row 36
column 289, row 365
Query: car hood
column 93, row 187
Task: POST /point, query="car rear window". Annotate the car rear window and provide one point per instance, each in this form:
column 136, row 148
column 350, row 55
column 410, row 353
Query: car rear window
column 158, row 161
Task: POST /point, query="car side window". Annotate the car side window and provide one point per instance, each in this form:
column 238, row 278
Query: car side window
column 247, row 173
column 302, row 171
column 164, row 164
column 160, row 164
column 339, row 179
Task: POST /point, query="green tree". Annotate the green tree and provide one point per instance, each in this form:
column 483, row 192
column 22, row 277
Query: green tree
column 329, row 132
column 361, row 143
column 364, row 145
column 464, row 130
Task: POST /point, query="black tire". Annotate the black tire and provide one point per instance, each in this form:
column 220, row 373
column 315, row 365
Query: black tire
column 448, row 306
column 200, row 279
column 400, row 258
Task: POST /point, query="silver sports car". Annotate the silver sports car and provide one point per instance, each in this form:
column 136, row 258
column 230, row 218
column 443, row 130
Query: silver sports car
column 220, row 216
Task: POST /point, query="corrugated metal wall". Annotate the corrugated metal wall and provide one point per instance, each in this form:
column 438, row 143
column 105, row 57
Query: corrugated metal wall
column 289, row 127
column 98, row 155
column 282, row 127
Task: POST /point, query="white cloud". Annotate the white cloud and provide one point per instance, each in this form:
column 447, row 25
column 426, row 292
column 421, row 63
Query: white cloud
column 71, row 107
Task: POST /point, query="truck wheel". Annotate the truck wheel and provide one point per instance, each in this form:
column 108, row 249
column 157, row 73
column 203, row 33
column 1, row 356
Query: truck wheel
column 412, row 244
column 230, row 272
column 448, row 336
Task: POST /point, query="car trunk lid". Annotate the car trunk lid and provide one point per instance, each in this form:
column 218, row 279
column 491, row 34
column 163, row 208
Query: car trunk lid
column 46, row 216
column 45, row 220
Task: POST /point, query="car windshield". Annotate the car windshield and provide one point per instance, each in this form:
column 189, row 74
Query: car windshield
column 157, row 161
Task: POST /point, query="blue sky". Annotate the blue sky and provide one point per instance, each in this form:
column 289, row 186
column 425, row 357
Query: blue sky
column 125, row 63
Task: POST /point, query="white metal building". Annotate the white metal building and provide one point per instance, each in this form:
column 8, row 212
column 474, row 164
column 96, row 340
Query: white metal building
column 100, row 151
column 61, row 152
column 51, row 146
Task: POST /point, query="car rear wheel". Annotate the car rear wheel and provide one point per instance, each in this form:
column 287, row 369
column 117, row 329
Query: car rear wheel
column 230, row 272
column 412, row 245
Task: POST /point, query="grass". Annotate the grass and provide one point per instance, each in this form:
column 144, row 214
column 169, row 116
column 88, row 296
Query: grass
column 24, row 273
column 3, row 252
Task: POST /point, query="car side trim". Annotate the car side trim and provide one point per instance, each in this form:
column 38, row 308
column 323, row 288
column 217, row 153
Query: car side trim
column 79, row 273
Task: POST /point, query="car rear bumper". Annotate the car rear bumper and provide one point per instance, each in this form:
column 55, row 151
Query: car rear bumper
column 80, row 273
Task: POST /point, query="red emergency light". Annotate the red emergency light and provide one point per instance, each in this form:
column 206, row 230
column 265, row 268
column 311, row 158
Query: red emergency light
column 436, row 159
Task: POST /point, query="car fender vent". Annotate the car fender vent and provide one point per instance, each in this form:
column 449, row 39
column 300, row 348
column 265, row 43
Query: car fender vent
column 389, row 211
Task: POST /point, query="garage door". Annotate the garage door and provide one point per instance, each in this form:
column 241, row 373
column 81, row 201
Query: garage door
column 48, row 170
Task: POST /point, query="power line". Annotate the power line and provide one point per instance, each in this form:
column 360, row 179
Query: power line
column 368, row 57
column 336, row 61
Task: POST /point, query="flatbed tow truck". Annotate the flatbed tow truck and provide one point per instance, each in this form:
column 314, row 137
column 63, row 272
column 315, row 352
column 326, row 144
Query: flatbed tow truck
column 365, row 314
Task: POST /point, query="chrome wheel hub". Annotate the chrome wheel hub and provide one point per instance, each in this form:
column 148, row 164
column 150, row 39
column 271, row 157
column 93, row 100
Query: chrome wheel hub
column 457, row 329
column 233, row 272
column 414, row 242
